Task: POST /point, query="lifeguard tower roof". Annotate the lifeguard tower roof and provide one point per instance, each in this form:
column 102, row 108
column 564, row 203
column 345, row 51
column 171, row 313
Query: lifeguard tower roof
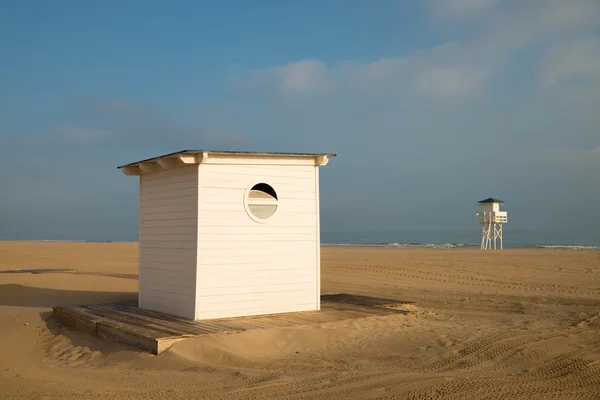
column 490, row 200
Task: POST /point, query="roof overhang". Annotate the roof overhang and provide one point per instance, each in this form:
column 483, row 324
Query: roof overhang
column 190, row 157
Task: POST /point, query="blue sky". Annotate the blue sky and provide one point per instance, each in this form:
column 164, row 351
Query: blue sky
column 431, row 105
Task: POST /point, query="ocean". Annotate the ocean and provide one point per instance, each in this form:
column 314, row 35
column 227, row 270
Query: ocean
column 398, row 239
column 460, row 239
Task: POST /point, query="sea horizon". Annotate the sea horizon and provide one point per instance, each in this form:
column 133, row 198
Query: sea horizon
column 392, row 239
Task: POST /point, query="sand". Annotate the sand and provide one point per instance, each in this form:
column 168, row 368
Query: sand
column 515, row 324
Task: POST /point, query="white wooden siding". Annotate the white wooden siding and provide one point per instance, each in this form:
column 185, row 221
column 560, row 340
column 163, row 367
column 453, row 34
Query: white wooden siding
column 251, row 268
column 168, row 241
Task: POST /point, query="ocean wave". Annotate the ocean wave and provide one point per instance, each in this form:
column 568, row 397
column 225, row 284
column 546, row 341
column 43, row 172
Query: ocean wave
column 566, row 247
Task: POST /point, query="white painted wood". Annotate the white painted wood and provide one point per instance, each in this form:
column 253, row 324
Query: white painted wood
column 272, row 236
column 175, row 276
column 201, row 215
column 180, row 308
column 139, row 233
column 241, row 182
column 167, row 223
column 159, row 244
column 168, row 252
column 238, row 218
column 167, row 264
column 169, row 291
column 295, row 172
column 242, row 283
column 173, row 255
column 152, row 215
column 203, row 252
column 170, row 230
column 241, row 311
column 177, row 203
column 491, row 221
column 322, row 160
column 307, row 210
column 318, row 233
column 268, row 264
column 171, row 173
column 171, row 194
column 294, row 200
column 255, row 266
column 177, row 160
column 293, row 273
column 132, row 170
column 167, row 163
column 257, row 297
column 259, row 160
column 192, row 158
column 169, row 237
column 171, row 278
column 167, row 187
column 156, row 183
column 149, row 166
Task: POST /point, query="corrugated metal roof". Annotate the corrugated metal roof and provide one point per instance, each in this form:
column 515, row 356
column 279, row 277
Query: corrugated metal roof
column 490, row 200
column 253, row 153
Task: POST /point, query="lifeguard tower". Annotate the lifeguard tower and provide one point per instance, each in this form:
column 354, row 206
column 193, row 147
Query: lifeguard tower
column 491, row 220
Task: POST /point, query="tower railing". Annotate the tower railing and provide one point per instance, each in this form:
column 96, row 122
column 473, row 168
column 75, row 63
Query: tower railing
column 492, row 217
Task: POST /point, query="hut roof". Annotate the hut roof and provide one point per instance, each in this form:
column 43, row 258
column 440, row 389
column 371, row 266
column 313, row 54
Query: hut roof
column 235, row 153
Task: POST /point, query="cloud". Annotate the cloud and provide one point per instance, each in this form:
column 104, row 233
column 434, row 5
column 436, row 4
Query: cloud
column 440, row 72
column 73, row 133
column 440, row 82
column 578, row 58
column 457, row 68
column 302, row 75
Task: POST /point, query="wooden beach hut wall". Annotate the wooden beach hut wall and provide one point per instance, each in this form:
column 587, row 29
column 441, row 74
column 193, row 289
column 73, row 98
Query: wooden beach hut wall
column 225, row 234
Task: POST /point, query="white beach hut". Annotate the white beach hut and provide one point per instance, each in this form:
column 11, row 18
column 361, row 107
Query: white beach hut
column 225, row 234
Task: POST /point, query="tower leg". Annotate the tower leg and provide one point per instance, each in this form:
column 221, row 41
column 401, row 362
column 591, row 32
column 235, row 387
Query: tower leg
column 491, row 232
column 501, row 237
column 482, row 236
column 486, row 236
column 495, row 235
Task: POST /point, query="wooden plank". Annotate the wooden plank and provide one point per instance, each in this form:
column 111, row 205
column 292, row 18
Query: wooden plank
column 184, row 322
column 241, row 325
column 132, row 320
column 156, row 331
column 77, row 318
column 270, row 322
column 143, row 319
column 293, row 320
column 120, row 334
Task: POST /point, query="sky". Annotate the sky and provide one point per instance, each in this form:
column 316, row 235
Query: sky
column 430, row 105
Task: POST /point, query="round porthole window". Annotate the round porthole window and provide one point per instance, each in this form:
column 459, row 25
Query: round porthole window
column 261, row 201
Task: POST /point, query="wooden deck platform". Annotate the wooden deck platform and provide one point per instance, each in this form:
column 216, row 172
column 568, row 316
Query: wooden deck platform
column 155, row 332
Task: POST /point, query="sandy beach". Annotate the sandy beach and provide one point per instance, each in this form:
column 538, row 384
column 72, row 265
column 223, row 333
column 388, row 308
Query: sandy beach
column 511, row 324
